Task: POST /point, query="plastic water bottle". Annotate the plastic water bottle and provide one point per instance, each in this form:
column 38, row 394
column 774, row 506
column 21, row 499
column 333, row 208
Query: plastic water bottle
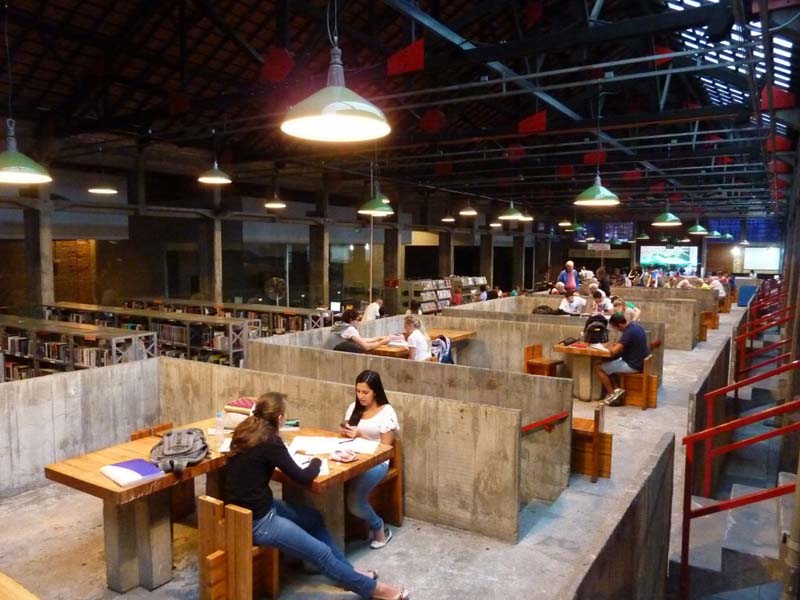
column 219, row 429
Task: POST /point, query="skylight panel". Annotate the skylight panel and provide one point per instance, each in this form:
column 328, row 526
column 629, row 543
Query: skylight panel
column 782, row 42
column 674, row 6
column 781, row 52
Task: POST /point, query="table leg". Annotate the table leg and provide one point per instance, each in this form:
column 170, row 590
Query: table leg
column 154, row 539
column 119, row 533
column 329, row 503
column 585, row 385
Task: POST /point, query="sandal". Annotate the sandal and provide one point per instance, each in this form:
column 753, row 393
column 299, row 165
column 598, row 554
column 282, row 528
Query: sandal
column 375, row 544
column 403, row 595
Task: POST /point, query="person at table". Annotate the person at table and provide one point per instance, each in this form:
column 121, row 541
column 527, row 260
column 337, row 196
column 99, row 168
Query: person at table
column 715, row 284
column 419, row 342
column 569, row 277
column 601, row 305
column 256, row 451
column 595, row 287
column 603, row 280
column 558, row 288
column 370, row 417
column 373, row 310
column 347, row 329
column 456, row 298
column 484, row 294
column 572, row 303
column 628, row 309
column 630, row 352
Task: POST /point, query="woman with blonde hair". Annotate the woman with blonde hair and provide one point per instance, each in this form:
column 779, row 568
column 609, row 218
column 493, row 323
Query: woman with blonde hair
column 419, row 343
column 256, row 451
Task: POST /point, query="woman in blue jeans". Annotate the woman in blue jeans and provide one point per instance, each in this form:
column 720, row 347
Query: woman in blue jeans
column 256, row 450
column 373, row 418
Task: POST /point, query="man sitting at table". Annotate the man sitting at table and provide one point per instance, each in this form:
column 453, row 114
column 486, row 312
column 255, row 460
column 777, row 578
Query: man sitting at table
column 631, row 350
column 572, row 303
column 602, row 305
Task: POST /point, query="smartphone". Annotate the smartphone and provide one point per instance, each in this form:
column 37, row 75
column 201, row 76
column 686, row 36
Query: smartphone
column 291, row 423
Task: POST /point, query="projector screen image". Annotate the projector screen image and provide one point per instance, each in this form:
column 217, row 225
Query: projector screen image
column 661, row 256
column 762, row 259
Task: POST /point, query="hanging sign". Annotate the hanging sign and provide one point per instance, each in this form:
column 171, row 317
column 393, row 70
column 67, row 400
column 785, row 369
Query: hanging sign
column 598, row 246
column 606, row 254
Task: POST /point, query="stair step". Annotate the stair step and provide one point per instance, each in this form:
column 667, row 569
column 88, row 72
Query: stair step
column 705, row 540
column 785, row 509
column 767, row 591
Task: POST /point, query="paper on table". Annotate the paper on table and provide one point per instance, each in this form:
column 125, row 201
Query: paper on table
column 302, row 461
column 313, row 444
column 599, row 347
column 362, row 446
column 225, row 446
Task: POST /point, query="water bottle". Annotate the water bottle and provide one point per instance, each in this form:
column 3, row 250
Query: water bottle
column 219, row 429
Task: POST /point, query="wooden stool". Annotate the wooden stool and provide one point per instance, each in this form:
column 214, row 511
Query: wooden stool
column 231, row 567
column 641, row 389
column 386, row 498
column 591, row 446
column 536, row 364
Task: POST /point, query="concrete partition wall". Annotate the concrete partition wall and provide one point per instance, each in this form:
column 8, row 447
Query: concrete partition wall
column 708, row 299
column 681, row 316
column 58, row 416
column 545, row 456
column 461, row 459
column 554, row 328
column 628, row 556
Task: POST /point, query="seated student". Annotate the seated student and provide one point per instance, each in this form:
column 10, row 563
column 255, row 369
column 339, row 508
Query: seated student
column 628, row 309
column 456, row 298
column 370, row 417
column 631, row 349
column 517, row 291
column 684, row 284
column 256, row 451
column 484, row 295
column 347, row 329
column 595, row 287
column 572, row 303
column 493, row 293
column 558, row 288
column 715, row 284
column 602, row 305
column 419, row 343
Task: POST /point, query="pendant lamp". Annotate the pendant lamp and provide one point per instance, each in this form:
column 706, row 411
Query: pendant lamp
column 643, row 236
column 448, row 218
column 744, row 243
column 663, row 239
column 103, row 188
column 666, row 219
column 495, row 224
column 468, row 211
column 214, row 176
column 275, row 203
column 526, row 217
column 510, row 214
column 697, row 229
column 596, row 195
column 335, row 113
column 376, row 208
column 728, row 237
column 564, row 222
column 714, row 235
column 685, row 240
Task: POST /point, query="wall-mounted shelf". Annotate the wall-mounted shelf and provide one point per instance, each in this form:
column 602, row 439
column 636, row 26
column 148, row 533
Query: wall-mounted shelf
column 432, row 295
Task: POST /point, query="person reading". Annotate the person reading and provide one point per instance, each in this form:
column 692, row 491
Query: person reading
column 370, row 417
column 602, row 305
column 630, row 352
column 419, row 342
column 347, row 329
column 572, row 303
column 256, row 451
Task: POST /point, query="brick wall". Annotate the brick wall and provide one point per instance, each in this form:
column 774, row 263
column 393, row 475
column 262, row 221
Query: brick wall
column 75, row 270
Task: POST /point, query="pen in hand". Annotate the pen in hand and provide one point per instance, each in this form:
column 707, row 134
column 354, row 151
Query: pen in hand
column 347, row 441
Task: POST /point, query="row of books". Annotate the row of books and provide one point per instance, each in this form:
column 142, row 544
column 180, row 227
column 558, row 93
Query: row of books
column 172, row 334
column 14, row 371
column 16, row 344
column 92, row 357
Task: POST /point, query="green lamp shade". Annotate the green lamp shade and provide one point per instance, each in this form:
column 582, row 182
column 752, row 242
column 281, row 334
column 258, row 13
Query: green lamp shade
column 643, row 236
column 744, row 243
column 526, row 217
column 103, row 189
column 214, row 176
column 510, row 214
column 376, row 208
column 666, row 219
column 685, row 240
column 727, row 236
column 663, row 238
column 16, row 168
column 615, row 241
column 596, row 195
column 697, row 229
column 715, row 235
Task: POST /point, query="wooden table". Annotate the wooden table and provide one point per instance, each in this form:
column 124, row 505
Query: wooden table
column 455, row 336
column 136, row 519
column 585, row 385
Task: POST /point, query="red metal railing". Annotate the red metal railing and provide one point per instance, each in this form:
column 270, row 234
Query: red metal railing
column 707, row 436
column 767, row 318
column 547, row 423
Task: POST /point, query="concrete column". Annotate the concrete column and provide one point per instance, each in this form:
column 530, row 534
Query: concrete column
column 216, row 261
column 391, row 267
column 39, row 250
column 205, row 259
column 445, row 254
column 319, row 258
column 518, row 261
column 487, row 256
column 704, row 254
column 533, row 263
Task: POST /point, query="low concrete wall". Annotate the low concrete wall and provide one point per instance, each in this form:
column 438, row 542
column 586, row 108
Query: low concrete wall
column 462, row 460
column 708, row 299
column 681, row 316
column 631, row 553
column 545, row 459
column 51, row 418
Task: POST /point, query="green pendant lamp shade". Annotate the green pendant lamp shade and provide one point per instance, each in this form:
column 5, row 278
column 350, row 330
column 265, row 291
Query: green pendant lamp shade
column 596, row 195
column 526, row 217
column 697, row 229
column 643, row 236
column 214, row 176
column 468, row 211
column 495, row 224
column 714, row 235
column 663, row 239
column 335, row 113
column 666, row 219
column 510, row 214
column 15, row 167
column 727, row 237
column 376, row 208
column 744, row 243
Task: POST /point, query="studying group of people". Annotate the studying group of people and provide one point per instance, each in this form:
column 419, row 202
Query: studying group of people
column 418, row 340
column 257, row 450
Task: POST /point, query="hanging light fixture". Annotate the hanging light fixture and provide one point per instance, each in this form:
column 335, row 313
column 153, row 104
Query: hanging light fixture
column 526, row 217
column 375, row 206
column 643, row 236
column 685, row 240
column 448, row 218
column 335, row 113
column 666, row 219
column 510, row 214
column 714, row 235
column 564, row 222
column 15, row 167
column 697, row 229
column 663, row 238
column 102, row 187
column 744, row 243
column 214, row 176
column 468, row 211
column 727, row 237
column 495, row 224
column 275, row 203
column 597, row 195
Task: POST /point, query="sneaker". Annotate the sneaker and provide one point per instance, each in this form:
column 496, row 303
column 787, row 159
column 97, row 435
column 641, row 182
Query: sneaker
column 616, row 397
column 608, row 399
column 387, row 537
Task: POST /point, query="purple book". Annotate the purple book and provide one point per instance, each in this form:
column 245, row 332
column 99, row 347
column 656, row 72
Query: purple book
column 129, row 472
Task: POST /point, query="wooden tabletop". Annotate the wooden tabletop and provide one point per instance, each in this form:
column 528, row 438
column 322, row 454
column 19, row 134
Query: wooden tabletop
column 455, row 335
column 83, row 472
column 578, row 351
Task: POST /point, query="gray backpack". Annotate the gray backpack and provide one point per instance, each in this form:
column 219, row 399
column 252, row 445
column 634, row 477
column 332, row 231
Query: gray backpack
column 178, row 449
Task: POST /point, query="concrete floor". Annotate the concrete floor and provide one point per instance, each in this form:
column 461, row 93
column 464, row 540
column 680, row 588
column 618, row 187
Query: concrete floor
column 52, row 537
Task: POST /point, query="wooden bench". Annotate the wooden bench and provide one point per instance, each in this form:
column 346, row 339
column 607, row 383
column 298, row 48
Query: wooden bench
column 591, row 446
column 181, row 494
column 11, row 590
column 536, row 364
column 725, row 304
column 641, row 389
column 386, row 499
column 231, row 567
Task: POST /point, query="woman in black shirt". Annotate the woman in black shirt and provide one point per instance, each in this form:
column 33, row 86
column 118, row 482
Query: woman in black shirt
column 256, row 450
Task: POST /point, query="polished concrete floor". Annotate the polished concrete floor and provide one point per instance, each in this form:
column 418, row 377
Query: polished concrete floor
column 52, row 538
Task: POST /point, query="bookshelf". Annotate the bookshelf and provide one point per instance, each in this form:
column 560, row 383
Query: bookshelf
column 470, row 286
column 275, row 320
column 432, row 295
column 34, row 347
column 221, row 340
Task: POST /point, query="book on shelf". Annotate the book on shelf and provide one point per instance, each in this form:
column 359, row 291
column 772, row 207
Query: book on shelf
column 131, row 472
column 17, row 344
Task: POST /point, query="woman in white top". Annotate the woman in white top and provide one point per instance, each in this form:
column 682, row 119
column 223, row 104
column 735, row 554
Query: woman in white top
column 419, row 343
column 348, row 330
column 373, row 418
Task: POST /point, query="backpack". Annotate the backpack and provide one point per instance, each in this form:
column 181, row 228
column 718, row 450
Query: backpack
column 348, row 346
column 595, row 331
column 440, row 348
column 178, row 449
column 543, row 309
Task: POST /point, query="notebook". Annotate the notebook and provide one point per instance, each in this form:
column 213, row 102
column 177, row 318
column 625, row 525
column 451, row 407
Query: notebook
column 130, row 472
